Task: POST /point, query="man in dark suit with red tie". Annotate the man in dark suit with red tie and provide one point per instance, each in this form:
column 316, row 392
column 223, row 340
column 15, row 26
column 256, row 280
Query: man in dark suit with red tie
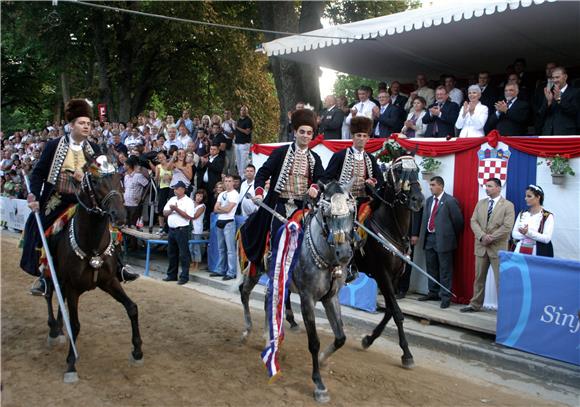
column 442, row 115
column 443, row 222
column 512, row 114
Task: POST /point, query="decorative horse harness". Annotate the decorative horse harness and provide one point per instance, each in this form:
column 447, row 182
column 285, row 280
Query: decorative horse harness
column 339, row 209
column 105, row 169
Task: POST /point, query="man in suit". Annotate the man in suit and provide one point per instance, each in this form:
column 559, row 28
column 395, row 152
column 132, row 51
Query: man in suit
column 209, row 172
column 512, row 114
column 491, row 223
column 388, row 117
column 442, row 115
column 560, row 109
column 397, row 98
column 538, row 98
column 489, row 93
column 443, row 222
column 330, row 120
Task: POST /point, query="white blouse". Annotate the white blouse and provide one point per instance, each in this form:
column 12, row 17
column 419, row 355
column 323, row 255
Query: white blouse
column 472, row 124
column 533, row 236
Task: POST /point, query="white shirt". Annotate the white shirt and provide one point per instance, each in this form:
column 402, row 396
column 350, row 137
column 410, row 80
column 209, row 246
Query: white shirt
column 206, row 173
column 198, row 223
column 224, row 198
column 74, row 145
column 363, row 109
column 175, row 220
column 456, row 96
column 472, row 124
column 184, row 140
column 533, row 236
column 248, row 206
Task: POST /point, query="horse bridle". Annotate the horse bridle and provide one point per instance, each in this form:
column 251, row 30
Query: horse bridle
column 98, row 208
column 333, row 237
column 401, row 188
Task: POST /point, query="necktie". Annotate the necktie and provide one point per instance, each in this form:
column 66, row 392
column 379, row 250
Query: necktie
column 431, row 223
column 509, row 103
column 489, row 209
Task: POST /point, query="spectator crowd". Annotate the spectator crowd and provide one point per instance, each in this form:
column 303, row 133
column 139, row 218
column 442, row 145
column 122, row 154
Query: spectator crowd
column 208, row 156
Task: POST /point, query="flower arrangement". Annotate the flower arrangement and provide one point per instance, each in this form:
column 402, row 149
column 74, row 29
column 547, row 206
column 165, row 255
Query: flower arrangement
column 390, row 151
column 430, row 164
column 559, row 165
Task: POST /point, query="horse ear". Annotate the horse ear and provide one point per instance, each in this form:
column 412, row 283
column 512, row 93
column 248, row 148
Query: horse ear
column 321, row 186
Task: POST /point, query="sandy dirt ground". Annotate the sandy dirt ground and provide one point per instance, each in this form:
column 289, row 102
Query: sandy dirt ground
column 193, row 357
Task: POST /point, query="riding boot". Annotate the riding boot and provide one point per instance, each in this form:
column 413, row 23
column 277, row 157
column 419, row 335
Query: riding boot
column 123, row 274
column 38, row 288
column 351, row 272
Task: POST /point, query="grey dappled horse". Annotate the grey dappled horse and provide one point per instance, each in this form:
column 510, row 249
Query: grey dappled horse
column 319, row 274
column 390, row 218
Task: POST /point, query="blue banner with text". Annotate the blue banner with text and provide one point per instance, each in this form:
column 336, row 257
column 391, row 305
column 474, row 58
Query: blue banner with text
column 539, row 306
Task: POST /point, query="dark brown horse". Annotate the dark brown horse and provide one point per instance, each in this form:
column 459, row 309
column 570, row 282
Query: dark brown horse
column 391, row 218
column 85, row 257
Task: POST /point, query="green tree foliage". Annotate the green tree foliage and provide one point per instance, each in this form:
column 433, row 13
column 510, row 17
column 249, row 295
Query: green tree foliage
column 133, row 63
column 346, row 85
column 348, row 11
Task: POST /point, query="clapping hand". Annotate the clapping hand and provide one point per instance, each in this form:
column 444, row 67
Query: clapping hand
column 353, row 111
column 549, row 95
column 501, row 106
column 435, row 110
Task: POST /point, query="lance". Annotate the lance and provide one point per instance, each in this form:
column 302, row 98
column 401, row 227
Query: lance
column 53, row 276
column 267, row 208
column 391, row 247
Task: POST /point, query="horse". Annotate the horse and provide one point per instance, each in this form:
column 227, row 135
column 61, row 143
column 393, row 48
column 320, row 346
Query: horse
column 84, row 256
column 325, row 252
column 390, row 218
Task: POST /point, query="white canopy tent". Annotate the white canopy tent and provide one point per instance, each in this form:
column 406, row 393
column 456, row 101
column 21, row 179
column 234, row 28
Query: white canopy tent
column 459, row 37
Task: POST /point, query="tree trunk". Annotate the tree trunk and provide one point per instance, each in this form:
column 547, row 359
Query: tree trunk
column 294, row 82
column 102, row 56
column 310, row 20
column 65, row 87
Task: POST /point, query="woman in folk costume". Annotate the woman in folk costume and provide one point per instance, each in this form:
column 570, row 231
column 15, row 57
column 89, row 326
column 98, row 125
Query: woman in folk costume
column 53, row 182
column 355, row 164
column 293, row 171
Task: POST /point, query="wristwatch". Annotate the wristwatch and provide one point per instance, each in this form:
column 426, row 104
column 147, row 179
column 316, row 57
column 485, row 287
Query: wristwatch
column 558, row 99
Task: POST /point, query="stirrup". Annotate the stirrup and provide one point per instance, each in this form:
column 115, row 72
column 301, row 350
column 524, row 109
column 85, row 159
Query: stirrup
column 39, row 287
column 126, row 276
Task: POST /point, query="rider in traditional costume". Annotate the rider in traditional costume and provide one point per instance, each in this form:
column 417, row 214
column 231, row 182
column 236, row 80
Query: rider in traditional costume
column 293, row 171
column 355, row 165
column 53, row 182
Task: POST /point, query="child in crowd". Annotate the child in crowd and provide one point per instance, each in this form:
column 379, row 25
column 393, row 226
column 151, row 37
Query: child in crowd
column 197, row 230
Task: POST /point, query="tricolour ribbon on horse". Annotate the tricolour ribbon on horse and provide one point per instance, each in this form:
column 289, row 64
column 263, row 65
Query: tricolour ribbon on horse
column 285, row 255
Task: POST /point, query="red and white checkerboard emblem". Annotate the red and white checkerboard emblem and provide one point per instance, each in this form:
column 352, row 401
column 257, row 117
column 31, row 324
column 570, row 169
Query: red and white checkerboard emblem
column 492, row 168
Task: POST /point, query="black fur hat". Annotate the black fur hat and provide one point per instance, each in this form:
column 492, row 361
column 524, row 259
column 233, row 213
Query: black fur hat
column 303, row 117
column 361, row 124
column 77, row 108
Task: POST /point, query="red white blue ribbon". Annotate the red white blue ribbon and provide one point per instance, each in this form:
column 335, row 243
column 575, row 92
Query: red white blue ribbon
column 285, row 254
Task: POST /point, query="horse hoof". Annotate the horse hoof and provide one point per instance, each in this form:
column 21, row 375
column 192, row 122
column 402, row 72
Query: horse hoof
column 366, row 342
column 321, row 396
column 71, row 377
column 135, row 362
column 295, row 327
column 244, row 337
column 59, row 340
column 408, row 363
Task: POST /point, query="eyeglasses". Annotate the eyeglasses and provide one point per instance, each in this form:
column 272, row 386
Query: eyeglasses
column 307, row 132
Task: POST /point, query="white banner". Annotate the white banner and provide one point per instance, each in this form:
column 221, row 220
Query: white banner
column 14, row 212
